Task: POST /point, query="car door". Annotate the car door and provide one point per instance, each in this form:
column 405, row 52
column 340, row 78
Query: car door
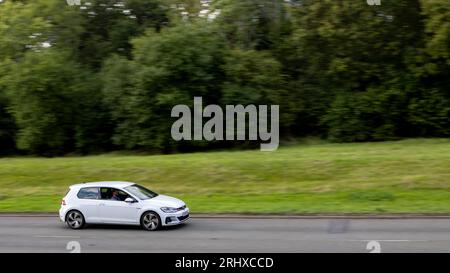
column 88, row 203
column 117, row 211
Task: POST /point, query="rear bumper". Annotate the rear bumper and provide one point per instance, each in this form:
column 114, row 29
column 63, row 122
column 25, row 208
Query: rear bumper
column 62, row 214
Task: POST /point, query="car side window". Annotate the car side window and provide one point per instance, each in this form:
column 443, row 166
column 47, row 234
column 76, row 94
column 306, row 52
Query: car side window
column 89, row 193
column 113, row 194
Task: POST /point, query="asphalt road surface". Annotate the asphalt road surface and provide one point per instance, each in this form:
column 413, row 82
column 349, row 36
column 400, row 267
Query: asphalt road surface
column 47, row 234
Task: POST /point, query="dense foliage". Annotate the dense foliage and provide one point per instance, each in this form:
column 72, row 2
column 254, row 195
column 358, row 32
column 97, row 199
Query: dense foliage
column 104, row 75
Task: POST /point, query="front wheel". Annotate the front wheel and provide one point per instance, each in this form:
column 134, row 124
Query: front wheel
column 150, row 221
column 75, row 219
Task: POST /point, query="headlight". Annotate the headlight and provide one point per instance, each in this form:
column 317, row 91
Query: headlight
column 169, row 210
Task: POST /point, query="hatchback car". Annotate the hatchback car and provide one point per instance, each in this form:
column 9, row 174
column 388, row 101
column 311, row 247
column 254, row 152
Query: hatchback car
column 123, row 203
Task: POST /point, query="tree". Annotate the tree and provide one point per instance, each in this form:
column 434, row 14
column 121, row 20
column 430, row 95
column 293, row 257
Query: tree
column 252, row 24
column 110, row 25
column 256, row 77
column 33, row 25
column 7, row 127
column 341, row 52
column 429, row 101
column 338, row 69
column 168, row 68
column 437, row 28
column 46, row 91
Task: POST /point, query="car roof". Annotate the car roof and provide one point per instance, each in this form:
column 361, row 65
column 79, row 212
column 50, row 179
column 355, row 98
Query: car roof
column 115, row 184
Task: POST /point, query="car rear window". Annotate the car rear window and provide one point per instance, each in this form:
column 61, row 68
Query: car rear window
column 89, row 193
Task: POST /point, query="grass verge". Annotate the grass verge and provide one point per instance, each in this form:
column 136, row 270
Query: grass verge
column 408, row 176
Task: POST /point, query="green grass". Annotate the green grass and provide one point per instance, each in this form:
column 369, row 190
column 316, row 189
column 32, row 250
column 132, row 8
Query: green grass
column 409, row 176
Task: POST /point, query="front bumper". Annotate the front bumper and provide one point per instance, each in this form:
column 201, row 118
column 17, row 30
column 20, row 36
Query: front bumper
column 172, row 219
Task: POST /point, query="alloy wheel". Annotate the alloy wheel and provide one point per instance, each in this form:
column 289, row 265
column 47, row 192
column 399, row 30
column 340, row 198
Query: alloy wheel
column 75, row 220
column 150, row 221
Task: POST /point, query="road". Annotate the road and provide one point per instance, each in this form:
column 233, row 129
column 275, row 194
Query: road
column 47, row 234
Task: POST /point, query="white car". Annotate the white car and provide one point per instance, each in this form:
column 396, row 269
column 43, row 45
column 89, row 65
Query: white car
column 123, row 203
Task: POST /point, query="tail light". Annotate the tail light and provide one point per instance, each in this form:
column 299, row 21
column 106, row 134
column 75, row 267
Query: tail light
column 63, row 202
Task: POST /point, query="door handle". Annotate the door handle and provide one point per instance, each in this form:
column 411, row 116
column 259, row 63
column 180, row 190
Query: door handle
column 101, row 204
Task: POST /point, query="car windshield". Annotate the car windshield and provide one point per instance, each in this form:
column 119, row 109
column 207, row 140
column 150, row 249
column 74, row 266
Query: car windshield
column 141, row 192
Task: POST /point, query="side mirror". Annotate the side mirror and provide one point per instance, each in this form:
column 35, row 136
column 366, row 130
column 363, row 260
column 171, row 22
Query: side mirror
column 130, row 200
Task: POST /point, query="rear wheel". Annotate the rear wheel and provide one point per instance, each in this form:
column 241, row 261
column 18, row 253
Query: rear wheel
column 150, row 221
column 75, row 219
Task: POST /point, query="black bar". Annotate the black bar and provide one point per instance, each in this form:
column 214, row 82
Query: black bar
column 227, row 262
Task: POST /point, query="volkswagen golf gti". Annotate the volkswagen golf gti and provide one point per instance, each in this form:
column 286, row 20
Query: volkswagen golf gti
column 120, row 202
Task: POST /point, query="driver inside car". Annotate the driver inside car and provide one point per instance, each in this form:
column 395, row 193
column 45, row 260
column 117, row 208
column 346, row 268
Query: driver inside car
column 115, row 196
